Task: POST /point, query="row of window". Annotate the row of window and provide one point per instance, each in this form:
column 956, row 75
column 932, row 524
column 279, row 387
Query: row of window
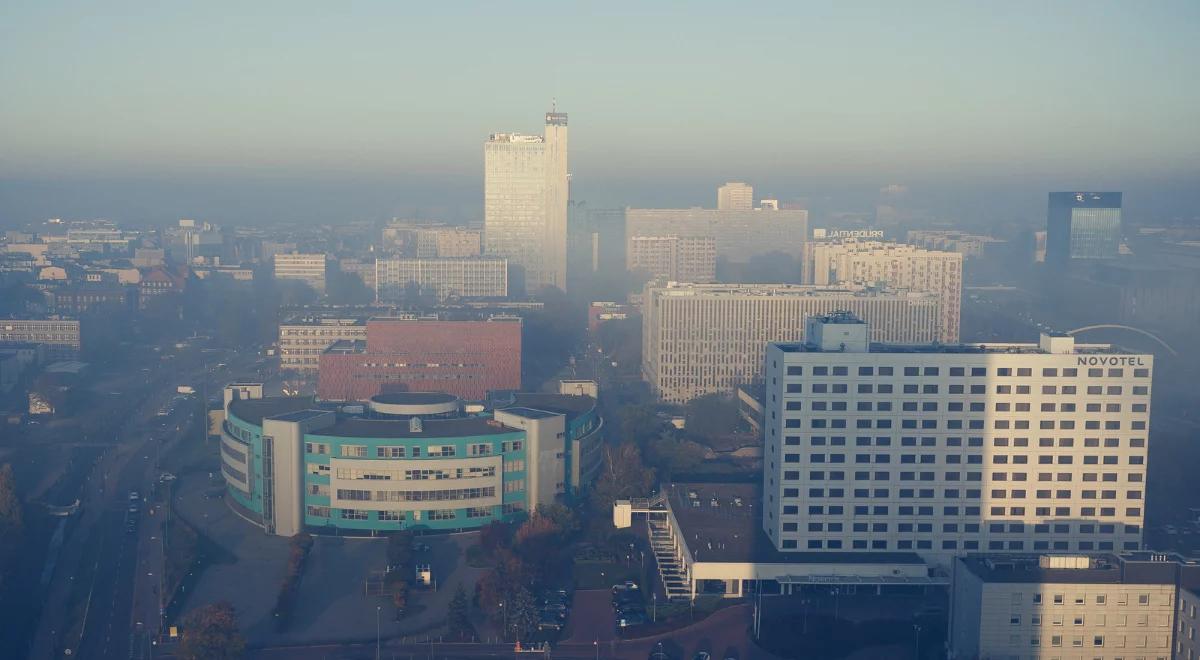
column 951, row 511
column 931, row 441
column 975, row 372
column 416, row 495
column 881, row 475
column 956, row 528
column 1001, row 424
column 953, row 545
column 972, row 459
column 959, row 406
column 414, row 474
column 932, row 388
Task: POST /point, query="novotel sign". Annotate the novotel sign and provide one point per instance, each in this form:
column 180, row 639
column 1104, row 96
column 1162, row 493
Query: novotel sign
column 847, row 233
column 1110, row 361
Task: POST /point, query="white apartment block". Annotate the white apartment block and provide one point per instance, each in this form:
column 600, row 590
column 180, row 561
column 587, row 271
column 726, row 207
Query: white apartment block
column 950, row 449
column 448, row 242
column 441, row 278
column 1089, row 607
column 895, row 265
column 741, row 235
column 525, row 190
column 735, row 196
column 302, row 340
column 308, row 268
column 674, row 258
column 703, row 338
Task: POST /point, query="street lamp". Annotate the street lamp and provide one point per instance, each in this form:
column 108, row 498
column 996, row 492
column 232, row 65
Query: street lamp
column 654, row 606
column 378, row 609
column 917, row 638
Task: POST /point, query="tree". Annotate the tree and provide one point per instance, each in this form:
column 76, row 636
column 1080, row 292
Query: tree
column 495, row 535
column 672, row 456
column 523, row 613
column 639, row 423
column 712, row 415
column 397, row 588
column 563, row 516
column 343, row 288
column 624, row 476
column 12, row 519
column 400, row 551
column 458, row 622
column 211, row 633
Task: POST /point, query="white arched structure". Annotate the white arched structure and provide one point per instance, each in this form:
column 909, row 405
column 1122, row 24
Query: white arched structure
column 1114, row 326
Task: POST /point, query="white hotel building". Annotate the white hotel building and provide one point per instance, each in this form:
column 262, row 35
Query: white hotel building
column 945, row 450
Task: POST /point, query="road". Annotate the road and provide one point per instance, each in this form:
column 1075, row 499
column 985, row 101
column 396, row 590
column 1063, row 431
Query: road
column 96, row 618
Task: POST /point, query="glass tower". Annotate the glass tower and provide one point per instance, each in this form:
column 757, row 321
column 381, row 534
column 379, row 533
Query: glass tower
column 1083, row 226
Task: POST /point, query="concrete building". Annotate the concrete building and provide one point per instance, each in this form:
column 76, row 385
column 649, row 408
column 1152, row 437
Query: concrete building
column 968, row 245
column 1082, row 226
column 1102, row 607
column 525, row 202
column 303, row 338
column 1187, row 624
column 735, row 196
column 703, row 338
column 448, row 243
column 466, row 358
column 707, row 539
column 740, row 235
column 951, row 449
column 442, row 279
column 675, row 258
column 894, row 265
column 411, row 460
column 307, row 268
column 60, row 336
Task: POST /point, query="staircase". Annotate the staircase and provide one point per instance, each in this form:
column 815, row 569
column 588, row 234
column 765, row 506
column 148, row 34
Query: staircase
column 672, row 572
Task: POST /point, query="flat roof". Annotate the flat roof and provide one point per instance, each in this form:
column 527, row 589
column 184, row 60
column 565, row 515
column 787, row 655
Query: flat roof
column 959, row 349
column 730, row 533
column 252, row 411
column 1103, row 569
column 530, row 413
column 298, row 416
column 565, row 404
column 347, row 346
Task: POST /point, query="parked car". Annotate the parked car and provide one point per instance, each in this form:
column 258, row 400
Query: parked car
column 627, row 585
column 548, row 621
column 631, row 619
column 625, row 597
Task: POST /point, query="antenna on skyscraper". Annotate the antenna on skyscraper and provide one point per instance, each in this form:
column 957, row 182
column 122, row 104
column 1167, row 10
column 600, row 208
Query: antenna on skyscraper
column 553, row 104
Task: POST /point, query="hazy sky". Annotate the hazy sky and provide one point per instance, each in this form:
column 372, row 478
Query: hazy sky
column 366, row 109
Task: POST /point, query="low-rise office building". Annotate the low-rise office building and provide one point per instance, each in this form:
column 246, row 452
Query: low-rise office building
column 410, row 460
column 442, row 279
column 307, row 268
column 302, row 339
column 674, row 258
column 60, row 336
column 467, row 358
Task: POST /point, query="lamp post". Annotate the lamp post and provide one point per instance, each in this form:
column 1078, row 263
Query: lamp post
column 917, row 640
column 654, row 606
column 378, row 608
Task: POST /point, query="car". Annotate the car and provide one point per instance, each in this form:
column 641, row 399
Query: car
column 134, row 496
column 548, row 621
column 631, row 619
column 702, row 655
column 417, row 546
column 627, row 585
column 631, row 608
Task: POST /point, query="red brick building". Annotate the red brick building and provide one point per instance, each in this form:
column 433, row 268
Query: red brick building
column 464, row 358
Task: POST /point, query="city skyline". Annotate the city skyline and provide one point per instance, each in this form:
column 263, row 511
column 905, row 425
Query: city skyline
column 934, row 99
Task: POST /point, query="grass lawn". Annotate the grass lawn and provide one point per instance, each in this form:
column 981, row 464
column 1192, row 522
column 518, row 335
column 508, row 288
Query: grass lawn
column 602, row 575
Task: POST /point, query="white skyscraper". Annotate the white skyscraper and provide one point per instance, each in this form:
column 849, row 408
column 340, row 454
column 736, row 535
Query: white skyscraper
column 525, row 202
column 945, row 450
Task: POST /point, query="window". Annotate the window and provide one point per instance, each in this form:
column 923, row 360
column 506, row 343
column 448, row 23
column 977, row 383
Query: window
column 354, row 451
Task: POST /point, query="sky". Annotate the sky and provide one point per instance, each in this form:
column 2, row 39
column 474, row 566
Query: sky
column 319, row 111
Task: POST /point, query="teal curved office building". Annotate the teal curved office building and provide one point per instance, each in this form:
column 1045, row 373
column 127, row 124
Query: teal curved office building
column 414, row 460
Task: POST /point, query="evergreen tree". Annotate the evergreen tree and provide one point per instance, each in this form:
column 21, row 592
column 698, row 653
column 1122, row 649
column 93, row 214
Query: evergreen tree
column 459, row 619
